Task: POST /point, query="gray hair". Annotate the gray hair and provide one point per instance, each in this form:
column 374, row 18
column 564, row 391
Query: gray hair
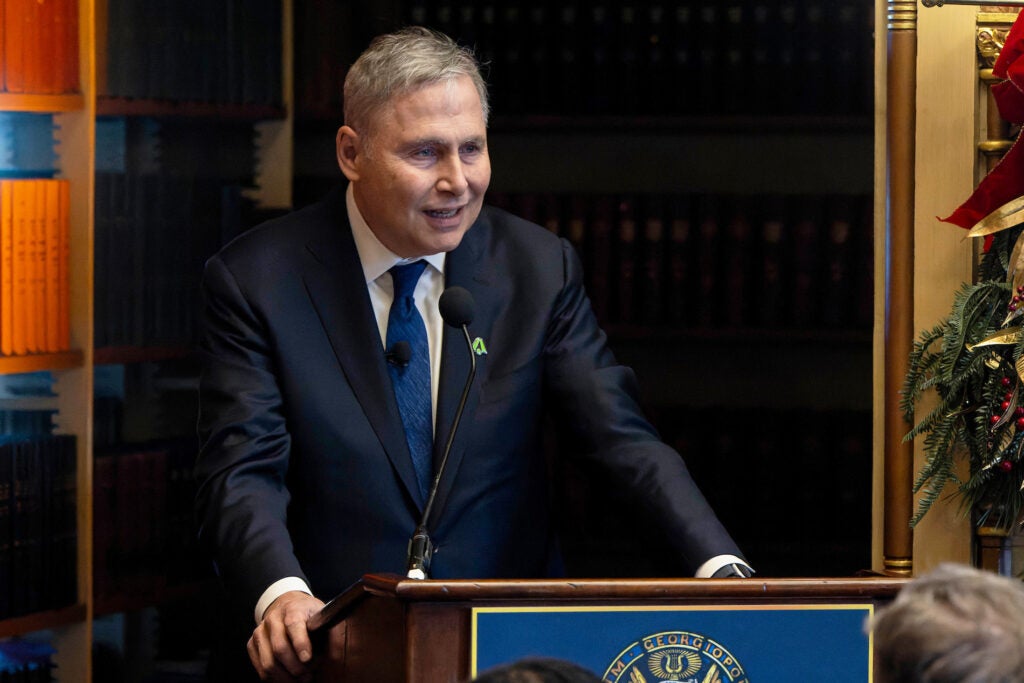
column 954, row 625
column 396, row 63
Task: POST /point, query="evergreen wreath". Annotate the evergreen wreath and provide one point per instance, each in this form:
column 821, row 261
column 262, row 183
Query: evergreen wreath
column 973, row 362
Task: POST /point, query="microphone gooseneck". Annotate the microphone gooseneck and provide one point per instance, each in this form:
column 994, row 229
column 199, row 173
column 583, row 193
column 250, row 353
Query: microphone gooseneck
column 457, row 309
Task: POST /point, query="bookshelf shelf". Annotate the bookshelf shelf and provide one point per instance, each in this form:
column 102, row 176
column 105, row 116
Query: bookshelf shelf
column 65, row 360
column 39, row 621
column 122, row 106
column 118, row 355
column 43, row 104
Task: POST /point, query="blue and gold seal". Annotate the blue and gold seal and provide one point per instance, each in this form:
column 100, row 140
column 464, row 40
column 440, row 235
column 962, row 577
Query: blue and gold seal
column 675, row 657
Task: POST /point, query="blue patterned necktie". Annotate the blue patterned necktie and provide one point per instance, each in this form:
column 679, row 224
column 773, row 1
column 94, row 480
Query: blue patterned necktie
column 412, row 381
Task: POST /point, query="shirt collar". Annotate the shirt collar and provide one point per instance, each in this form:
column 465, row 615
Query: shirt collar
column 375, row 257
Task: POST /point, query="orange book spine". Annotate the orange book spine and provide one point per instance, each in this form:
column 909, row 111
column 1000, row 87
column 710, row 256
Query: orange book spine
column 52, row 265
column 19, row 295
column 35, row 280
column 6, row 263
column 14, row 45
column 63, row 277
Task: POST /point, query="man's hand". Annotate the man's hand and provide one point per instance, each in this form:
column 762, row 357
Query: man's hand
column 280, row 648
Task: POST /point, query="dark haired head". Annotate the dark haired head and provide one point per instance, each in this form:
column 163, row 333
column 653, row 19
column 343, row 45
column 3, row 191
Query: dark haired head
column 538, row 670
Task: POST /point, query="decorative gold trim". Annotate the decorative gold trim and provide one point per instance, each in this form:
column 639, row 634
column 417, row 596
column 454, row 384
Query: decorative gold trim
column 902, row 16
column 898, row 565
column 990, row 39
column 997, row 147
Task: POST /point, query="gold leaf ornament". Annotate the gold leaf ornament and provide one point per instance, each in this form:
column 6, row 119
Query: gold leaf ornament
column 1006, row 216
column 1002, row 337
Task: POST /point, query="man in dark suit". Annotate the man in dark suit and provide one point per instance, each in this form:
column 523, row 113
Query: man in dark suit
column 313, row 470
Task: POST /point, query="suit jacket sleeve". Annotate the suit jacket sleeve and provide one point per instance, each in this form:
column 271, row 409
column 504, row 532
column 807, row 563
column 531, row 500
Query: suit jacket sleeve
column 598, row 413
column 242, row 498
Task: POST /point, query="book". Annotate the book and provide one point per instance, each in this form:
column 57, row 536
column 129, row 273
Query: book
column 625, row 261
column 550, row 213
column 709, row 56
column 16, row 40
column 680, row 262
column 509, row 79
column 27, row 529
column 864, row 307
column 629, row 94
column 599, row 263
column 23, row 206
column 806, row 258
column 737, row 264
column 36, row 332
column 771, row 282
column 52, row 265
column 576, row 225
column 104, row 533
column 656, row 59
column 6, row 267
column 683, row 60
column 651, row 286
column 708, row 295
column 6, row 515
column 837, row 284
column 568, row 87
column 734, row 56
column 601, row 55
column 64, row 267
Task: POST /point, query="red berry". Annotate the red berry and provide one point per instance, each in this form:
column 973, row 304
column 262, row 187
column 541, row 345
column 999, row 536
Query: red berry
column 1005, row 405
column 1006, row 465
column 1005, row 381
column 1020, row 423
column 994, row 419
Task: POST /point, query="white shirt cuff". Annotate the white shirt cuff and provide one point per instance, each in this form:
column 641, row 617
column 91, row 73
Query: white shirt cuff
column 276, row 590
column 706, row 570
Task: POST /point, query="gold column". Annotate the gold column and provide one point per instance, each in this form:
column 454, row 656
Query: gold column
column 993, row 26
column 901, row 126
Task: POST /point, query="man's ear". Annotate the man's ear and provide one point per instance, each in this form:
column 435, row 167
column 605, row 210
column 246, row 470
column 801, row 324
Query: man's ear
column 348, row 147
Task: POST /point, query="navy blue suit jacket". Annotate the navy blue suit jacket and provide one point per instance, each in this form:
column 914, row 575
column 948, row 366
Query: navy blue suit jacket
column 304, row 469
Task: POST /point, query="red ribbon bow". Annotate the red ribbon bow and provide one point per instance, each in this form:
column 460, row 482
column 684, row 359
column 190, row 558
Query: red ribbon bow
column 1006, row 180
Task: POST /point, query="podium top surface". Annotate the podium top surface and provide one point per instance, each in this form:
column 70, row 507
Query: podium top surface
column 448, row 590
column 562, row 591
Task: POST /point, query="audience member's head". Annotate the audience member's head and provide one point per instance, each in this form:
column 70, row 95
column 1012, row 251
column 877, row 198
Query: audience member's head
column 953, row 625
column 538, row 670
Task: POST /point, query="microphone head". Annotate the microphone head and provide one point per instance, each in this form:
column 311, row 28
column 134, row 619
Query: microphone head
column 457, row 306
column 400, row 353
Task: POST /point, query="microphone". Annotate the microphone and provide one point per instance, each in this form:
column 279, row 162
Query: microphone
column 399, row 354
column 457, row 309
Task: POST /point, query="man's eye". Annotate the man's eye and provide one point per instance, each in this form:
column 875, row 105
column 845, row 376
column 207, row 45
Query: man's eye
column 471, row 148
column 424, row 153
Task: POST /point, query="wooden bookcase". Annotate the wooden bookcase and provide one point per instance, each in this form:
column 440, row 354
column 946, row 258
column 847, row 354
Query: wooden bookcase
column 70, row 630
column 73, row 121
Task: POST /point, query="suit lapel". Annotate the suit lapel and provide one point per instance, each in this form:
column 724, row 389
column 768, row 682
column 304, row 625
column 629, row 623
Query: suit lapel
column 463, row 268
column 337, row 288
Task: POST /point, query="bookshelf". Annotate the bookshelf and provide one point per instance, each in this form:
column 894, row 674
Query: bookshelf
column 67, row 115
column 61, row 94
column 642, row 103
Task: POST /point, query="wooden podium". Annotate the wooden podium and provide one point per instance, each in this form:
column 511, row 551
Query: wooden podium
column 389, row 629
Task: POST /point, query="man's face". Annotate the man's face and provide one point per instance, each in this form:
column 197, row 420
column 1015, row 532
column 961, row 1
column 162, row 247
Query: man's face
column 421, row 184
